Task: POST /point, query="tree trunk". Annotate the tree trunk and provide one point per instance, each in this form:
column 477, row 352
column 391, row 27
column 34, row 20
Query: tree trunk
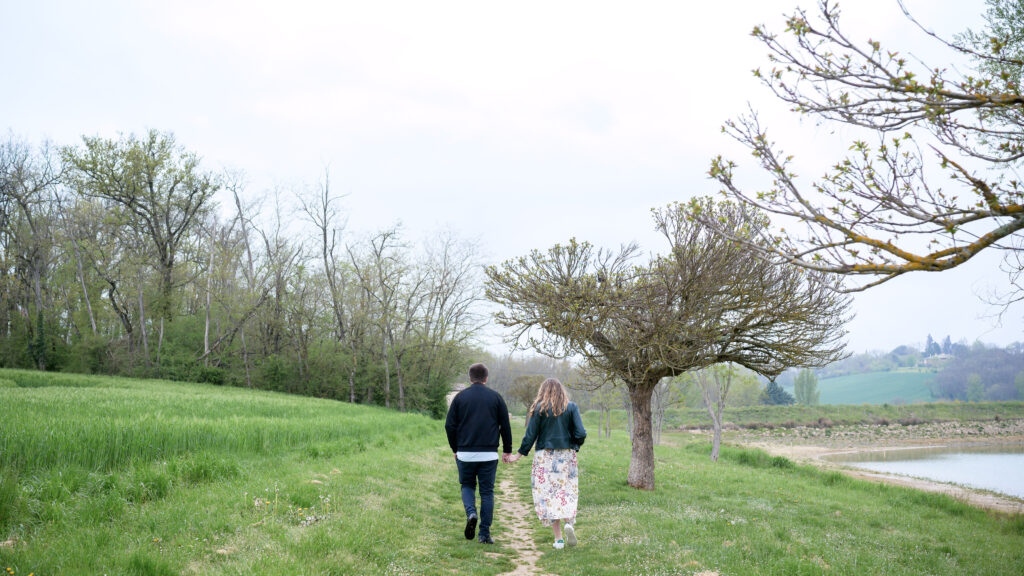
column 716, row 432
column 353, row 366
column 160, row 341
column 206, row 328
column 142, row 325
column 387, row 377
column 122, row 314
column 85, row 292
column 398, row 375
column 245, row 360
column 714, row 389
column 641, row 463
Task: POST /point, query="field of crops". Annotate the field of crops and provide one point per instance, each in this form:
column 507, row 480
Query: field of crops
column 877, row 388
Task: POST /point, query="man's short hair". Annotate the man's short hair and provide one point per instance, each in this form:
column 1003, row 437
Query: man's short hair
column 477, row 373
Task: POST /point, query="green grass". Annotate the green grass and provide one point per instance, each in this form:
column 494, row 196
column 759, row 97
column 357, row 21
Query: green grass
column 752, row 513
column 877, row 388
column 117, row 476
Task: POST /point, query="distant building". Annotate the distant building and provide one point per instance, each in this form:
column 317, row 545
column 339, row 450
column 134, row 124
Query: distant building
column 455, row 390
column 937, row 359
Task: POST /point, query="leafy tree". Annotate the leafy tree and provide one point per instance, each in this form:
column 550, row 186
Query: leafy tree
column 775, row 395
column 975, row 388
column 1018, row 383
column 877, row 213
column 707, row 301
column 524, row 388
column 806, row 388
column 158, row 188
column 931, row 347
column 994, row 369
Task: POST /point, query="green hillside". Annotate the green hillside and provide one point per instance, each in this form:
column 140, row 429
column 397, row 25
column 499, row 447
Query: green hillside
column 152, row 478
column 877, row 388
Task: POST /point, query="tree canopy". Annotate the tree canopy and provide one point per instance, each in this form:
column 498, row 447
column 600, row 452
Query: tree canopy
column 707, row 301
column 879, row 212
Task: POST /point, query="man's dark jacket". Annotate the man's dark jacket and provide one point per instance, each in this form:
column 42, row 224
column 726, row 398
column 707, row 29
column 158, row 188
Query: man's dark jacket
column 476, row 418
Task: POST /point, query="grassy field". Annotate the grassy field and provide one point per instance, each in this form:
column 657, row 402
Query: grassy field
column 118, row 476
column 877, row 388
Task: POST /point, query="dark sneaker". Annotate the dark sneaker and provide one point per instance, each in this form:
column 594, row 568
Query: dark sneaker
column 471, row 527
column 485, row 540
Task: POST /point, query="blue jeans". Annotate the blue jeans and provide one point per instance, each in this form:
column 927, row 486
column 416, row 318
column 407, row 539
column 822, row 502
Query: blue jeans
column 483, row 472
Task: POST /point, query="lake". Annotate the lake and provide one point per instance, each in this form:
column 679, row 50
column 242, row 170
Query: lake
column 999, row 468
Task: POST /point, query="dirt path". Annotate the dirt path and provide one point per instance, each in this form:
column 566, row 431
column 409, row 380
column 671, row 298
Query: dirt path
column 515, row 517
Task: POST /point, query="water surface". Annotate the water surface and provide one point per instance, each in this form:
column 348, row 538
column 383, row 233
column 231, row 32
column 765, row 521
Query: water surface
column 999, row 468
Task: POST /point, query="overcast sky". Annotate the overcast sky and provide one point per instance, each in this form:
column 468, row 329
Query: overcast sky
column 520, row 124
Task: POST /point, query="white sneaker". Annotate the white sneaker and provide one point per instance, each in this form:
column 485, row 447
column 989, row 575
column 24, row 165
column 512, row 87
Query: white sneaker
column 570, row 535
column 559, row 544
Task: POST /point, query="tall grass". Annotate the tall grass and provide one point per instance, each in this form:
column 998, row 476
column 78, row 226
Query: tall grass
column 104, row 423
column 118, row 476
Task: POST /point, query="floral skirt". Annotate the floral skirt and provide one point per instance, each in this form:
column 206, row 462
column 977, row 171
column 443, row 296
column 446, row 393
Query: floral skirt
column 555, row 483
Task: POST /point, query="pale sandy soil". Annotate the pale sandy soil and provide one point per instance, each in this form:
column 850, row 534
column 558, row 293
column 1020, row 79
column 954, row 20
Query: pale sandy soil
column 810, row 445
column 515, row 518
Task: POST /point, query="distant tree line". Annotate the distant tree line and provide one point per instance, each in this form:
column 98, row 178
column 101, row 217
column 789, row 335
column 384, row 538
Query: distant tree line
column 116, row 259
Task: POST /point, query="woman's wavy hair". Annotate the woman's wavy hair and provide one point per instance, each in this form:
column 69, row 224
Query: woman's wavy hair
column 552, row 398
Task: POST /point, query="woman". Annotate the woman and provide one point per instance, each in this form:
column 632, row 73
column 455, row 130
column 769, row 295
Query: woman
column 555, row 426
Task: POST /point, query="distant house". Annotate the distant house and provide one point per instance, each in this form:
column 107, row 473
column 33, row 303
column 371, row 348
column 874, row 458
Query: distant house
column 937, row 359
column 455, row 390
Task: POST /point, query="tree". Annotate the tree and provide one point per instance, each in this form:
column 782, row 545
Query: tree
column 806, row 388
column 775, row 395
column 709, row 300
column 714, row 383
column 666, row 395
column 947, row 345
column 156, row 186
column 609, row 396
column 975, row 388
column 875, row 213
column 931, row 347
column 524, row 388
column 28, row 182
column 1018, row 383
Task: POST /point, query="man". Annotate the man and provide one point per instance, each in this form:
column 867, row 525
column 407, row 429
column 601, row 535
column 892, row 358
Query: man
column 476, row 418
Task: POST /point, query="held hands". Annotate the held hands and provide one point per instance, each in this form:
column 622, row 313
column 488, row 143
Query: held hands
column 511, row 458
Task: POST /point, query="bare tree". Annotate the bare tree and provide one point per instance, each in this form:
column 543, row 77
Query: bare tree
column 328, row 225
column 665, row 395
column 28, row 181
column 714, row 383
column 875, row 214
